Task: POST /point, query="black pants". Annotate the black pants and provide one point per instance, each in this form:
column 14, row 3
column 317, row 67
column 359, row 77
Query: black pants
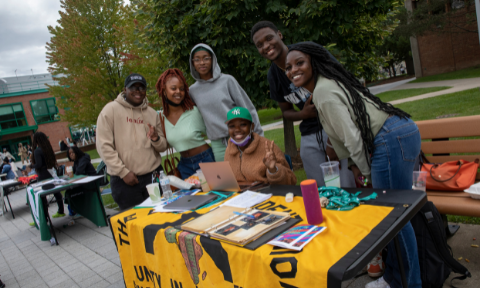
column 59, row 199
column 128, row 196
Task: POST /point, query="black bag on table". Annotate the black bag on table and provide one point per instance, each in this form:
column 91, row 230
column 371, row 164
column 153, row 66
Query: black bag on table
column 434, row 254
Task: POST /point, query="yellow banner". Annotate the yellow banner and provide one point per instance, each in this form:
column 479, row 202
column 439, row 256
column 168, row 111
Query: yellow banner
column 154, row 254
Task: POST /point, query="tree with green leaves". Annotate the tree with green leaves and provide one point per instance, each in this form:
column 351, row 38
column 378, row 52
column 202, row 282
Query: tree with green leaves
column 350, row 29
column 94, row 47
column 439, row 16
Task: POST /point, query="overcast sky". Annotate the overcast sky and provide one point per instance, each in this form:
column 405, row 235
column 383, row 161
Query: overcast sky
column 24, row 34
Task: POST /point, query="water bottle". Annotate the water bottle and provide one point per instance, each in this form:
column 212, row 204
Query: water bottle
column 311, row 200
column 165, row 184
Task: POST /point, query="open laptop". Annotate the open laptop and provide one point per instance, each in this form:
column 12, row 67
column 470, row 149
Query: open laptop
column 190, row 202
column 219, row 176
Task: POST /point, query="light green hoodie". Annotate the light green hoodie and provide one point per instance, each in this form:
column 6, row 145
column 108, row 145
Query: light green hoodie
column 122, row 138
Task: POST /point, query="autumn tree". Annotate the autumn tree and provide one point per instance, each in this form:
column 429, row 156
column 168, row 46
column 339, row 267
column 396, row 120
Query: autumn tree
column 92, row 50
column 351, row 29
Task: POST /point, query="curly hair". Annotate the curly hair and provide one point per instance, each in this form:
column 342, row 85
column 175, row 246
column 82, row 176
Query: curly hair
column 40, row 140
column 322, row 64
column 187, row 103
column 78, row 153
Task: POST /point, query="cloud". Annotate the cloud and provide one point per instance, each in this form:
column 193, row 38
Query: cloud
column 24, row 35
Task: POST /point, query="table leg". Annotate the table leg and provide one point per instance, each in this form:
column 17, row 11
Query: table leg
column 11, row 210
column 49, row 220
column 400, row 262
column 2, row 201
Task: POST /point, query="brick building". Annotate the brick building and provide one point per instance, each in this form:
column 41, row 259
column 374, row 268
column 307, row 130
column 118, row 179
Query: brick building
column 435, row 53
column 27, row 107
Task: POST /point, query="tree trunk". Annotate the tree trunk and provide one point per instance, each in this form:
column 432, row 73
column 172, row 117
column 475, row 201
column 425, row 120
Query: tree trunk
column 289, row 138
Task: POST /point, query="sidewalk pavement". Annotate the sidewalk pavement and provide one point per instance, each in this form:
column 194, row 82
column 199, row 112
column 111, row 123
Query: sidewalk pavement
column 457, row 86
column 87, row 255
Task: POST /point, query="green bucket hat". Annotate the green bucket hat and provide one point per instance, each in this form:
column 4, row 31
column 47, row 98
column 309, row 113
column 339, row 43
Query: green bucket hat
column 239, row 112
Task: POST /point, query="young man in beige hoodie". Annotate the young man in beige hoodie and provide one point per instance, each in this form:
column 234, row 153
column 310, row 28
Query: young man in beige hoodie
column 129, row 141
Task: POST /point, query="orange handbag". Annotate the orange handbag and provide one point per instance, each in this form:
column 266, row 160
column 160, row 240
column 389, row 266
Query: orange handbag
column 450, row 176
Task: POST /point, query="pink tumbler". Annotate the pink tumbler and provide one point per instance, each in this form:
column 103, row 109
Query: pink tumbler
column 311, row 200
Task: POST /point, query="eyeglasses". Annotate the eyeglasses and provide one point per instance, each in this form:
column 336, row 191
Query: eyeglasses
column 137, row 88
column 204, row 60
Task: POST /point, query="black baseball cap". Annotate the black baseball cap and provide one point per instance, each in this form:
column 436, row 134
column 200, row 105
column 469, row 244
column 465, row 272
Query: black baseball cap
column 135, row 78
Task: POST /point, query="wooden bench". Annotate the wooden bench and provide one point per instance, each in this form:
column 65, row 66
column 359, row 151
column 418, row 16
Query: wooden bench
column 442, row 149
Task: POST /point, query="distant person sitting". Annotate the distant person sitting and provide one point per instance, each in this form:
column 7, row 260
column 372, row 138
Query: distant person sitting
column 246, row 149
column 7, row 169
column 63, row 146
column 81, row 162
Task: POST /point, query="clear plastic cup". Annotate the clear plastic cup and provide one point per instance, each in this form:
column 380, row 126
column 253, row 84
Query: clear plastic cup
column 203, row 181
column 331, row 173
column 419, row 180
column 154, row 192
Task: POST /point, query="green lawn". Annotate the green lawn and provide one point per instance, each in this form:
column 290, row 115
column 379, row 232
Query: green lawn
column 269, row 115
column 93, row 154
column 464, row 103
column 460, row 74
column 405, row 93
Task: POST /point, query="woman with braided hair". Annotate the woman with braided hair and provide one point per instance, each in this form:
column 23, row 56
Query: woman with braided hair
column 183, row 123
column 43, row 158
column 379, row 140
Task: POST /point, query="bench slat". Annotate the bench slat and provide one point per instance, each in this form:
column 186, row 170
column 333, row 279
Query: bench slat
column 456, row 206
column 442, row 159
column 449, row 127
column 454, row 146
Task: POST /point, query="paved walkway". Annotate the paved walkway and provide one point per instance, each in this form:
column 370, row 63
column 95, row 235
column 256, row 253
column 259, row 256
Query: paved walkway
column 457, row 86
column 86, row 256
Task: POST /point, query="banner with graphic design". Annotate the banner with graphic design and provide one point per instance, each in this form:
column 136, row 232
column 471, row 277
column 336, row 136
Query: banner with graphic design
column 155, row 254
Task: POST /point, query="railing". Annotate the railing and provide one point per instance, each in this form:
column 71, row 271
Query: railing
column 26, row 86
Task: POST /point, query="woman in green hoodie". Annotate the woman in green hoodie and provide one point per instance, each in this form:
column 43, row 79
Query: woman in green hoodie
column 129, row 141
column 215, row 94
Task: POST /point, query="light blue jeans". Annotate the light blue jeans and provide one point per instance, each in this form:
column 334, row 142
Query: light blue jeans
column 396, row 146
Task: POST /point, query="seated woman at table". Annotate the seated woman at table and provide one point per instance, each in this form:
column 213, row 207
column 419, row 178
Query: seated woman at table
column 7, row 169
column 379, row 140
column 253, row 157
column 183, row 123
column 81, row 162
column 42, row 160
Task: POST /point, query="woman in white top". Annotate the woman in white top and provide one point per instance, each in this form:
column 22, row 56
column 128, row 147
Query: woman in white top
column 184, row 126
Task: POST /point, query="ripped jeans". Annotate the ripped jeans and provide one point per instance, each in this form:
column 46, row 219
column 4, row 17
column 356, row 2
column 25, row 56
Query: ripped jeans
column 396, row 146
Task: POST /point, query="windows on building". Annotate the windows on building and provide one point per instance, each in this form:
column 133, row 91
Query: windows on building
column 44, row 110
column 12, row 116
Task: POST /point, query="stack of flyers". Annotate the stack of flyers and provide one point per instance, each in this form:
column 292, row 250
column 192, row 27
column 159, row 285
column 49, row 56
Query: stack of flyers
column 297, row 237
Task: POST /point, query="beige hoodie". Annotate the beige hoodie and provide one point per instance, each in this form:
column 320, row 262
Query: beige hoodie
column 122, row 138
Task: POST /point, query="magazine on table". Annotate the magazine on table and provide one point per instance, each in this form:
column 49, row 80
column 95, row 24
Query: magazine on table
column 297, row 237
column 236, row 225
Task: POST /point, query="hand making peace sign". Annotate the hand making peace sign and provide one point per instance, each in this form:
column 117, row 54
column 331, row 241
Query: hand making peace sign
column 151, row 133
column 270, row 160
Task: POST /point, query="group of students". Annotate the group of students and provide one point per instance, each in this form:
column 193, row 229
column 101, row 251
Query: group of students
column 341, row 119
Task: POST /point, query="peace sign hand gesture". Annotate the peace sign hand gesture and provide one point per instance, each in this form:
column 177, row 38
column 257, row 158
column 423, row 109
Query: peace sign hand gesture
column 151, row 133
column 270, row 159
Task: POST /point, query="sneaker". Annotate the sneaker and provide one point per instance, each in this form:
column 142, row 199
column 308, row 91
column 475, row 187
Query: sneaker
column 1, row 284
column 379, row 283
column 376, row 267
column 58, row 215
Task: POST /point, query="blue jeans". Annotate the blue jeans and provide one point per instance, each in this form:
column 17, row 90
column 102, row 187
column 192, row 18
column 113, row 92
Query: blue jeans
column 396, row 146
column 189, row 165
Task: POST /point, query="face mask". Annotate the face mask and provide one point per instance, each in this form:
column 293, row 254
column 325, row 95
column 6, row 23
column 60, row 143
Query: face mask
column 244, row 141
column 172, row 103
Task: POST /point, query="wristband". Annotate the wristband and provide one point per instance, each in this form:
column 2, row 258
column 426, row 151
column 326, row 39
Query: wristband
column 155, row 140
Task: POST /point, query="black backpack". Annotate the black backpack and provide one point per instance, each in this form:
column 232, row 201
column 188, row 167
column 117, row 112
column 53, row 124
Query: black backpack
column 434, row 254
column 102, row 171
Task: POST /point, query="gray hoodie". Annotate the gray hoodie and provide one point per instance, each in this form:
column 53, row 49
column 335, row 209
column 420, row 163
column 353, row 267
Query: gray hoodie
column 216, row 96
